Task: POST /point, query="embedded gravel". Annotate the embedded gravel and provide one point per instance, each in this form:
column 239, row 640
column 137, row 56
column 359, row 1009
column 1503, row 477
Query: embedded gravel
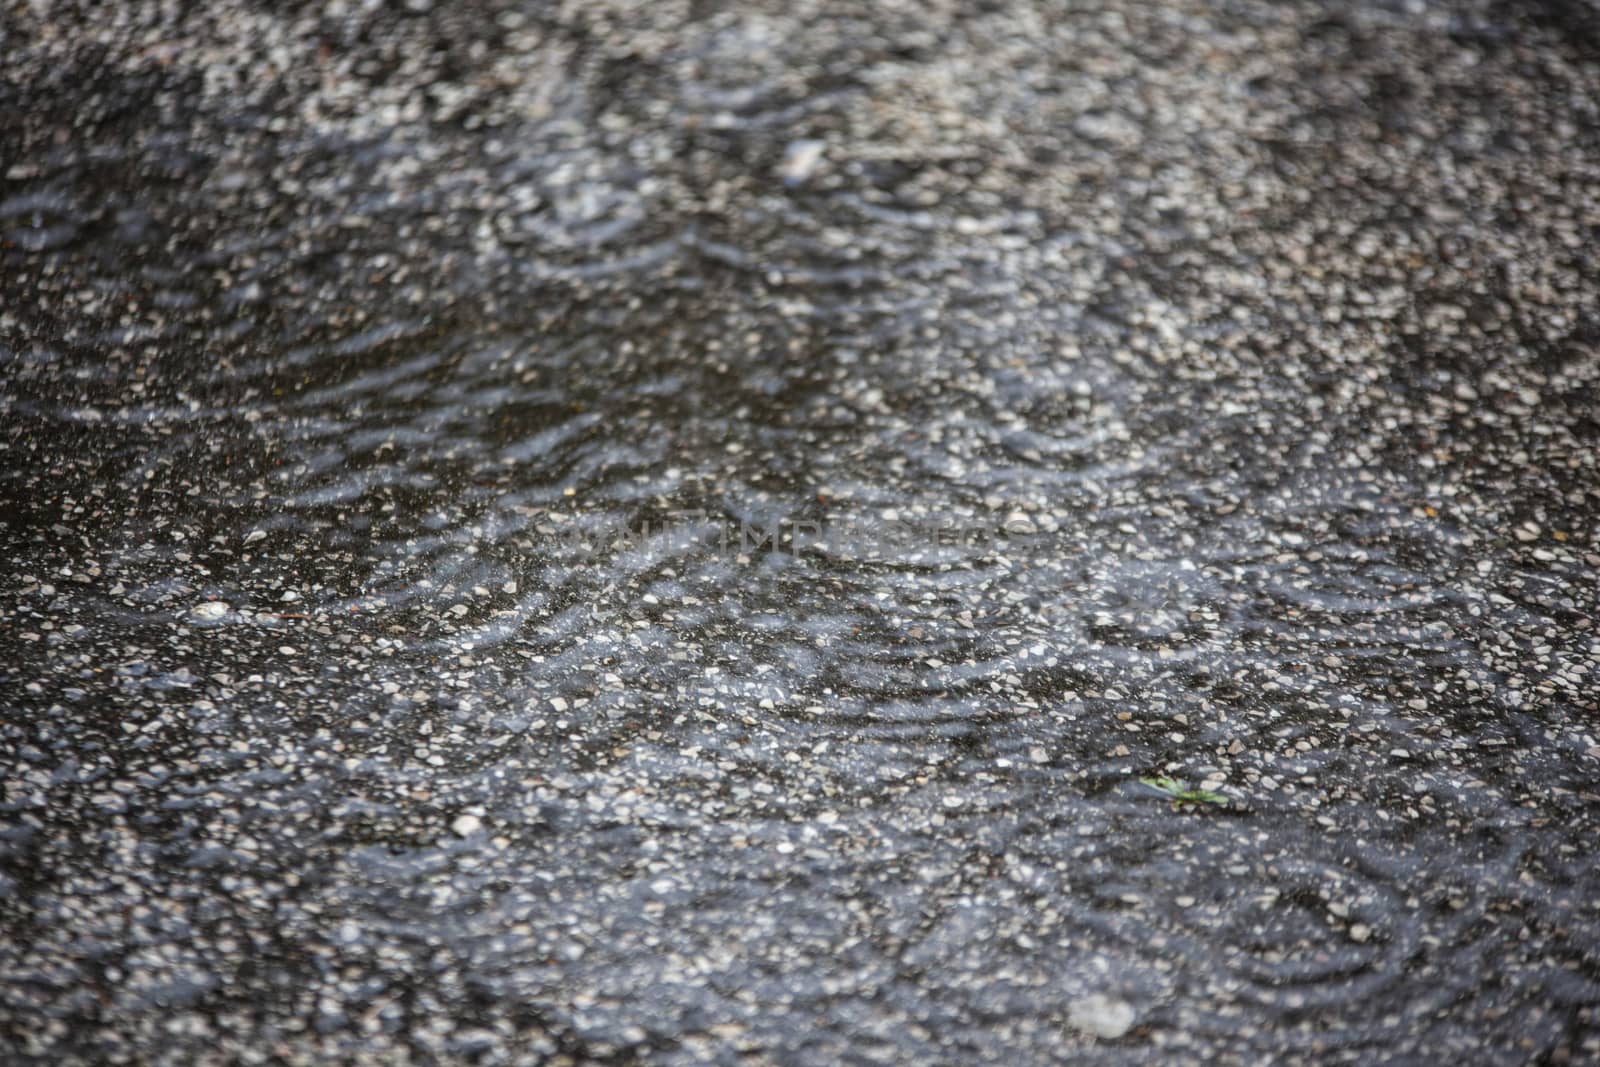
column 387, row 391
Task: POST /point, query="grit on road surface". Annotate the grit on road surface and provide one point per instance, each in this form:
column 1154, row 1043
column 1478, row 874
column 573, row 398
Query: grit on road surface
column 387, row 389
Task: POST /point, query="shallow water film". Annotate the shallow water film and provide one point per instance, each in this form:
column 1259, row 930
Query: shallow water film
column 799, row 533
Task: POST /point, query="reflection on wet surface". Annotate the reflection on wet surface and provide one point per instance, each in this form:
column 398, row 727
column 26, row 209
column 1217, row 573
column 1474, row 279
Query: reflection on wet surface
column 338, row 347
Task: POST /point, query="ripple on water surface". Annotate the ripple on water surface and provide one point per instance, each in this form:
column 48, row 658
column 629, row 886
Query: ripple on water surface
column 399, row 648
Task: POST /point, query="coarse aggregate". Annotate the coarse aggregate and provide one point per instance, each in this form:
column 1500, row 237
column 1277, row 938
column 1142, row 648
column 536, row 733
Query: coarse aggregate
column 337, row 341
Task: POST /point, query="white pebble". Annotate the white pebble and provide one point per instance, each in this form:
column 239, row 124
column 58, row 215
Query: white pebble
column 1104, row 1017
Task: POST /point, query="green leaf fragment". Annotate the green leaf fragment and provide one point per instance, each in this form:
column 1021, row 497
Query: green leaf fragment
column 1182, row 793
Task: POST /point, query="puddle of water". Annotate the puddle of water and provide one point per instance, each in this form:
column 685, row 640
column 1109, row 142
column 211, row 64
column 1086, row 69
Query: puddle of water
column 398, row 665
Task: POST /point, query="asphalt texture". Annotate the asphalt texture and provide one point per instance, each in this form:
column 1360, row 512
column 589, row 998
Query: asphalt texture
column 1169, row 435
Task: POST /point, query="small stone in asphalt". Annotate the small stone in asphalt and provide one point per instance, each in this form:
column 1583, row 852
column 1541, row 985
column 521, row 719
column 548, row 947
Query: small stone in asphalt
column 1104, row 1017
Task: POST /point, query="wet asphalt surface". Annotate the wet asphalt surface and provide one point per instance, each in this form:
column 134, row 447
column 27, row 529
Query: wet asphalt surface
column 380, row 383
